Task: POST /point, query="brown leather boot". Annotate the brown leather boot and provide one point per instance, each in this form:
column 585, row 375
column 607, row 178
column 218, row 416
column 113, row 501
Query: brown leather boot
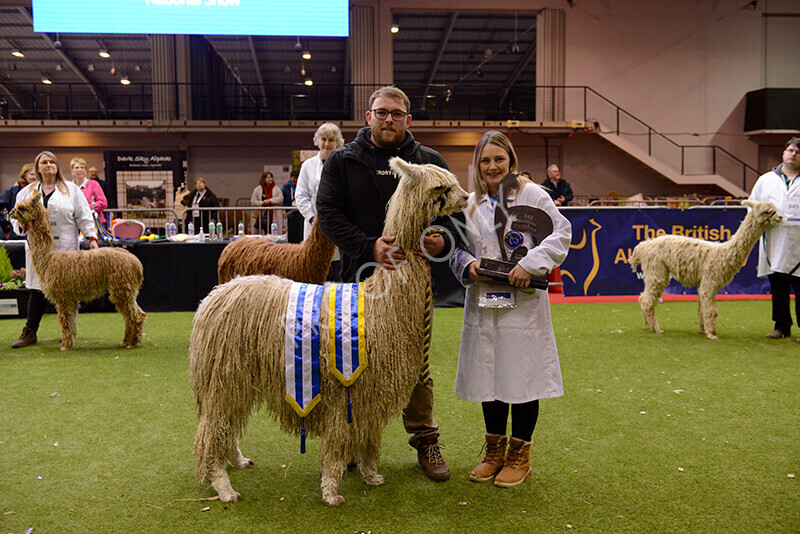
column 28, row 337
column 429, row 457
column 493, row 461
column 518, row 465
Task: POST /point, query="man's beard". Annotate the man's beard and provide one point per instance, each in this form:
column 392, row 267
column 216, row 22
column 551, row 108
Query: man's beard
column 382, row 142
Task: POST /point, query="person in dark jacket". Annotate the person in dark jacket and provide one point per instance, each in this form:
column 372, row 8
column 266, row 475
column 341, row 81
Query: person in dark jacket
column 200, row 197
column 355, row 187
column 8, row 198
column 560, row 191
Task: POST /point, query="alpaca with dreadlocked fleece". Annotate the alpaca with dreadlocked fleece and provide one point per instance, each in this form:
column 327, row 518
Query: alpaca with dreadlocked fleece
column 695, row 262
column 71, row 276
column 308, row 261
column 239, row 344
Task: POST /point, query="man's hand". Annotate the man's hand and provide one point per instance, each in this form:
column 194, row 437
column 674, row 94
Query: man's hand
column 387, row 255
column 559, row 201
column 434, row 245
column 519, row 277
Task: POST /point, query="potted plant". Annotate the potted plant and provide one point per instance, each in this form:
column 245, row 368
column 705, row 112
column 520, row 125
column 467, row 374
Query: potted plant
column 13, row 293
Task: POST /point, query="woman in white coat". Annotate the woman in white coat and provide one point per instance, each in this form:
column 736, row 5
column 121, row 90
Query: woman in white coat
column 69, row 212
column 327, row 138
column 508, row 351
column 779, row 247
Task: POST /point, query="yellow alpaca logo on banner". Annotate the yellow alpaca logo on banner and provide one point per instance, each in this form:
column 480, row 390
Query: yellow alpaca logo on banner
column 595, row 259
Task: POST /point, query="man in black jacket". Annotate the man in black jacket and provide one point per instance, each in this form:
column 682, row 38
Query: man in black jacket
column 560, row 191
column 354, row 189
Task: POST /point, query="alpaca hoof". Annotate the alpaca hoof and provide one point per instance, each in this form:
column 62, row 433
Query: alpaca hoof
column 230, row 496
column 375, row 480
column 244, row 463
column 712, row 336
column 64, row 347
column 335, row 500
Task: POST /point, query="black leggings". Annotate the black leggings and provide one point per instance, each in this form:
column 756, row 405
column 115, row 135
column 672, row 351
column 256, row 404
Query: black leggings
column 36, row 306
column 523, row 418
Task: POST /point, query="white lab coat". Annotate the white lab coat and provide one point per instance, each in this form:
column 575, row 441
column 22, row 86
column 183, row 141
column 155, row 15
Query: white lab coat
column 306, row 194
column 779, row 247
column 509, row 354
column 68, row 213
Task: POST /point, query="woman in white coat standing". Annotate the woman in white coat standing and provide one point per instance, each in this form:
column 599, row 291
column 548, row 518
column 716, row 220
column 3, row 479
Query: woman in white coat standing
column 508, row 353
column 327, row 138
column 69, row 212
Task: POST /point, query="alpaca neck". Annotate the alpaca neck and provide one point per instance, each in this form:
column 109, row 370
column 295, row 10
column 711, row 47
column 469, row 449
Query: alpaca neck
column 745, row 237
column 317, row 245
column 40, row 239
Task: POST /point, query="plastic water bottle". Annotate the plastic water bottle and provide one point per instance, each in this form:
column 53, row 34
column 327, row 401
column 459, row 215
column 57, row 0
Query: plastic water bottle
column 220, row 231
column 173, row 229
column 212, row 230
column 241, row 228
column 273, row 228
column 167, row 232
column 201, row 237
column 190, row 228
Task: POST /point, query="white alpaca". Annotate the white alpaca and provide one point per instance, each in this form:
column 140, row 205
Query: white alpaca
column 695, row 262
column 237, row 351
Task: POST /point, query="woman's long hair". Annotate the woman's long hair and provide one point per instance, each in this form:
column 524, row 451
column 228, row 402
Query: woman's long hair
column 60, row 182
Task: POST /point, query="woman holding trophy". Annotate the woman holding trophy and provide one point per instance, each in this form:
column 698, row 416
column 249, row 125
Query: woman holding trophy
column 508, row 354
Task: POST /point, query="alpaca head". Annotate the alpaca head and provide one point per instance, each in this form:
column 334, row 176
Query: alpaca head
column 424, row 192
column 29, row 210
column 765, row 213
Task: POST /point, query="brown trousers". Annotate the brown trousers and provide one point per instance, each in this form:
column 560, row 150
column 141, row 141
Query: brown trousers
column 418, row 415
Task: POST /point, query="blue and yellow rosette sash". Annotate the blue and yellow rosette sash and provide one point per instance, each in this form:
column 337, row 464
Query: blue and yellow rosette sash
column 346, row 335
column 302, row 350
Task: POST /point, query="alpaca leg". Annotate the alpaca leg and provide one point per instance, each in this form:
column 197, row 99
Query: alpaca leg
column 655, row 281
column 67, row 319
column 238, row 460
column 333, row 464
column 707, row 303
column 369, row 456
column 210, row 449
column 134, row 316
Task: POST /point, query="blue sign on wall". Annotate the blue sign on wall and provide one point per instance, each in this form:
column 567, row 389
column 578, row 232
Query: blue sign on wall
column 603, row 239
column 328, row 18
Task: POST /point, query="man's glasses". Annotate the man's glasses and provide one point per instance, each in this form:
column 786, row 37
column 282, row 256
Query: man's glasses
column 381, row 114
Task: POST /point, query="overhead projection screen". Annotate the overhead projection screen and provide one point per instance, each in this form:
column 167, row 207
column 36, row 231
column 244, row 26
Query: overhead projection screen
column 190, row 17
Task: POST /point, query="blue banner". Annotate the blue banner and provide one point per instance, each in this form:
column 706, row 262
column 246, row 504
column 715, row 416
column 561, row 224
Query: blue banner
column 603, row 239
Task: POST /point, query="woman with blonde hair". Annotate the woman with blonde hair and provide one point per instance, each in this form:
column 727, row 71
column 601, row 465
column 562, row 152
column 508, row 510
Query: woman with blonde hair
column 327, row 138
column 90, row 188
column 508, row 353
column 69, row 213
column 27, row 175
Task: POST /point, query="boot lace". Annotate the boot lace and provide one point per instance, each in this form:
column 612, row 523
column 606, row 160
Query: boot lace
column 434, row 454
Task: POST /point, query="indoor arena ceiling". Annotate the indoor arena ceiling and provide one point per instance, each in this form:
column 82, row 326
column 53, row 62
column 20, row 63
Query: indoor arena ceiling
column 432, row 51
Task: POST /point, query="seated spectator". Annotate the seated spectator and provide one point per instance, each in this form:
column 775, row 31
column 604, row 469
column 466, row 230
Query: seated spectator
column 27, row 175
column 200, row 197
column 7, row 231
column 265, row 194
column 558, row 188
column 90, row 188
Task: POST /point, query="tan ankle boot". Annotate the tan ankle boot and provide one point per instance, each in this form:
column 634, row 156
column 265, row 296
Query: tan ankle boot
column 518, row 465
column 28, row 337
column 493, row 461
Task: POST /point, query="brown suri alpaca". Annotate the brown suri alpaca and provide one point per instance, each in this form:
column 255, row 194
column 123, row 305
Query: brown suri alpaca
column 70, row 276
column 308, row 261
column 696, row 262
column 237, row 359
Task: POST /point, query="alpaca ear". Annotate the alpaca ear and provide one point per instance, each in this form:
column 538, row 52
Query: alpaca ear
column 404, row 168
column 36, row 196
column 749, row 203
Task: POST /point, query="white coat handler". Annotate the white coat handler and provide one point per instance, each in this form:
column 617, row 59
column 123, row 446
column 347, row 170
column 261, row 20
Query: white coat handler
column 779, row 247
column 508, row 352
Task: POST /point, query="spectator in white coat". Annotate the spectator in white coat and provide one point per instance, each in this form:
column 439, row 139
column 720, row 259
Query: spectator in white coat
column 779, row 247
column 508, row 353
column 69, row 213
column 327, row 138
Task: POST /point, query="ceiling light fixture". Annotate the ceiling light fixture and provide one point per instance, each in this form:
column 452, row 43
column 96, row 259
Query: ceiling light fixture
column 90, row 67
column 46, row 80
column 17, row 53
column 309, row 82
column 306, row 55
column 104, row 53
column 395, row 28
column 298, row 47
column 124, row 80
